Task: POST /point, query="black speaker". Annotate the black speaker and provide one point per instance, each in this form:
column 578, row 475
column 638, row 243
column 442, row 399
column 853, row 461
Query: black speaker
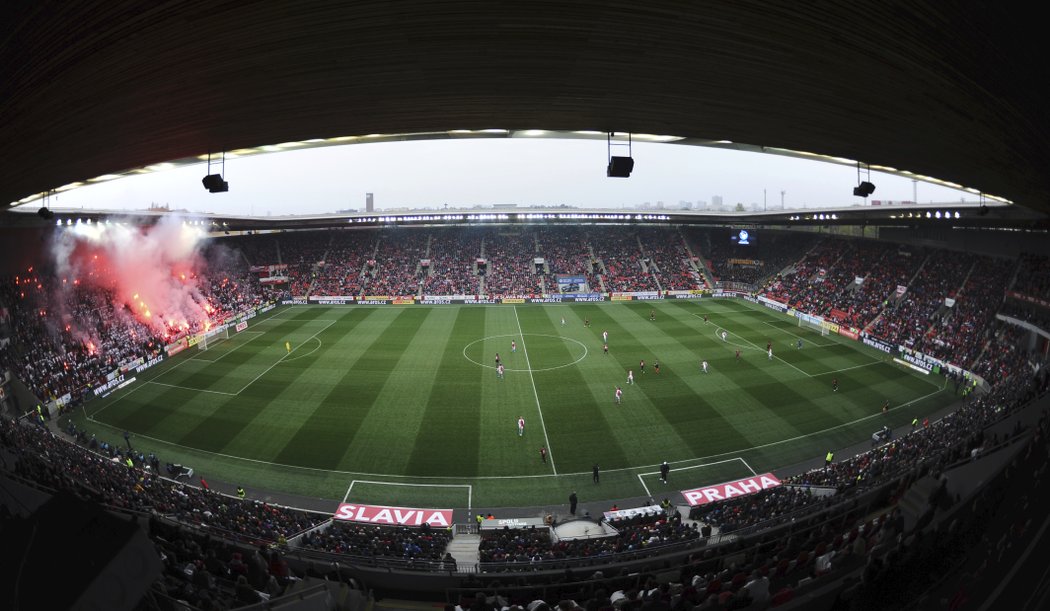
column 620, row 167
column 864, row 189
column 45, row 213
column 215, row 184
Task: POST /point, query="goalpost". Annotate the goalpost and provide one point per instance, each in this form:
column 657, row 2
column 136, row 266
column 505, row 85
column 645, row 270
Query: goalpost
column 213, row 338
column 813, row 326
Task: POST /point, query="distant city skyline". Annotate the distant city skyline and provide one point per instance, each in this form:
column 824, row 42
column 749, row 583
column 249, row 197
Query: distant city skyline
column 521, row 172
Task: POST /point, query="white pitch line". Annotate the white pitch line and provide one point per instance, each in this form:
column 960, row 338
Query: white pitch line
column 470, row 489
column 849, row 368
column 330, row 323
column 140, row 386
column 706, row 464
column 257, row 334
column 757, row 347
column 808, row 339
column 214, row 392
column 497, row 477
column 525, row 351
column 319, row 344
column 647, row 493
column 117, row 400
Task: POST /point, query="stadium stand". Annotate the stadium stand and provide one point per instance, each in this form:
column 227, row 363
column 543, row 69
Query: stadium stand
column 566, row 251
column 510, row 255
column 619, row 254
column 1033, row 276
column 766, row 547
column 749, row 264
column 397, row 267
column 420, row 548
column 907, row 319
column 958, row 331
column 453, row 255
column 340, row 268
column 881, row 274
column 667, row 250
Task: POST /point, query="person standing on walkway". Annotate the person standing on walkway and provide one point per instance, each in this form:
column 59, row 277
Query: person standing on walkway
column 594, row 472
column 665, row 469
column 572, row 503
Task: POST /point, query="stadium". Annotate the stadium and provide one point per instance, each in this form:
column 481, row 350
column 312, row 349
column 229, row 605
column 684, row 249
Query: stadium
column 525, row 406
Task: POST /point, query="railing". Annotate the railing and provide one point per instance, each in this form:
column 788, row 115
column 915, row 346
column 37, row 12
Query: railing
column 728, row 285
column 376, row 562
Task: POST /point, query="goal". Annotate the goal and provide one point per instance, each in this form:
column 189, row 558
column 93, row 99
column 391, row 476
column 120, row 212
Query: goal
column 214, row 337
column 815, row 327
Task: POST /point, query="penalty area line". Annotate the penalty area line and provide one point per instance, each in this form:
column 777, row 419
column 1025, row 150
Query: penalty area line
column 708, row 464
column 470, row 489
column 280, row 360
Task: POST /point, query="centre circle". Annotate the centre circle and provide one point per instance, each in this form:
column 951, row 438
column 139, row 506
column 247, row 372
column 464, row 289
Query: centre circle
column 504, row 349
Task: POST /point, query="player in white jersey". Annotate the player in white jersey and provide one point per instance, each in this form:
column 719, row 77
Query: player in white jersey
column 513, row 346
column 704, row 365
column 630, row 376
column 724, row 336
column 563, row 321
column 605, row 337
column 521, row 426
column 770, row 354
column 619, row 393
column 499, row 371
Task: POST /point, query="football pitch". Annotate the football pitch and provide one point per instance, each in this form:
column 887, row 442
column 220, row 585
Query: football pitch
column 403, row 405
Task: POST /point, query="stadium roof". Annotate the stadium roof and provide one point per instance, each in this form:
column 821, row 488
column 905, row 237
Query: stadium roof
column 950, row 90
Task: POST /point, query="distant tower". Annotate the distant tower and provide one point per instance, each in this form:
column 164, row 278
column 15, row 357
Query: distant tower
column 370, row 205
column 716, row 202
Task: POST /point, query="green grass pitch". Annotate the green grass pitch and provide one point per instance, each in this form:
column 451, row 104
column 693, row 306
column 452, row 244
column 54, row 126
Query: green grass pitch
column 373, row 398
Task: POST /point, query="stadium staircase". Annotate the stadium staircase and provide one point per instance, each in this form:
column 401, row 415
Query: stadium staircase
column 893, row 296
column 1013, row 276
column 828, row 269
column 464, row 548
column 598, row 268
column 701, row 270
column 315, row 270
column 648, row 267
column 916, row 500
column 871, row 324
column 944, row 311
column 697, row 255
column 244, row 257
column 481, row 279
column 419, row 268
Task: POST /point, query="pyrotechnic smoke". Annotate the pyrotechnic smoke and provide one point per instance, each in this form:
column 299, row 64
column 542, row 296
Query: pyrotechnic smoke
column 151, row 272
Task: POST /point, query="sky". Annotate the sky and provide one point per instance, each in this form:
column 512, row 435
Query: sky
column 470, row 172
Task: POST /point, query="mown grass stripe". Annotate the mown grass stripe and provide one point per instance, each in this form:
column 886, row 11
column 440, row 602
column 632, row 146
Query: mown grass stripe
column 750, row 420
column 449, row 437
column 322, row 438
column 256, row 403
column 581, row 431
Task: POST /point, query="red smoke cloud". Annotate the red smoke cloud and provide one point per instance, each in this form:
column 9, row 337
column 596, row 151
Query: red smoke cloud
column 152, row 272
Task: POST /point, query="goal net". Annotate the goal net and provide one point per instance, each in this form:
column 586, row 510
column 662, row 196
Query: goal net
column 813, row 326
column 211, row 339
